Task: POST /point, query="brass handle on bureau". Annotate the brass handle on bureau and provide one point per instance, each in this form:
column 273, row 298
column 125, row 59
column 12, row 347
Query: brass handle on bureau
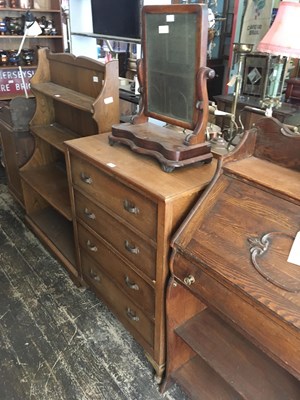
column 189, row 280
column 130, row 207
column 91, row 246
column 131, row 284
column 89, row 214
column 132, row 315
column 85, row 178
column 94, row 276
column 131, row 248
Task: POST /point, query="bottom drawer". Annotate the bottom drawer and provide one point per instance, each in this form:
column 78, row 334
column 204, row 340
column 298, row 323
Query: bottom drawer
column 128, row 313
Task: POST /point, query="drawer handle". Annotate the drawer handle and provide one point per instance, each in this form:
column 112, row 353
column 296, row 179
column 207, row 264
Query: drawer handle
column 130, row 207
column 189, row 280
column 131, row 248
column 85, row 178
column 91, row 246
column 132, row 315
column 94, row 276
column 89, row 214
column 131, row 284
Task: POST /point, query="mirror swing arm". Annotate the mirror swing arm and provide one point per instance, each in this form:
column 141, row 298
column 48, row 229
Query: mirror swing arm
column 198, row 135
column 173, row 148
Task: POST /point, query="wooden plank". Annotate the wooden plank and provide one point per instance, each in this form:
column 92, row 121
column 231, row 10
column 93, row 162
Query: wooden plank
column 279, row 179
column 201, row 382
column 51, row 183
column 54, row 134
column 55, row 229
column 65, row 95
column 250, row 372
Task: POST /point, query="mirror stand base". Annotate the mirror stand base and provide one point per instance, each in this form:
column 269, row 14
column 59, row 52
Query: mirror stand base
column 162, row 143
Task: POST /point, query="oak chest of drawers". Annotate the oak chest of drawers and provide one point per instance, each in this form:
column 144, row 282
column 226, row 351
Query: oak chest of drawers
column 125, row 211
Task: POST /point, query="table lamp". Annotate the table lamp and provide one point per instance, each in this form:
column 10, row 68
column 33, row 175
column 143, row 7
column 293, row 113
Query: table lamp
column 281, row 40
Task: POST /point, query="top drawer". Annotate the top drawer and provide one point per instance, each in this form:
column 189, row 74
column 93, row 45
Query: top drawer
column 133, row 207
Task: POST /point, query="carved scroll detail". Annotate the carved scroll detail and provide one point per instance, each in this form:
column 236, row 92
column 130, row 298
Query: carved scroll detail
column 269, row 255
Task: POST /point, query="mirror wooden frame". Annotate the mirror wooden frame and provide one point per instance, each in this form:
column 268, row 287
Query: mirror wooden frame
column 172, row 147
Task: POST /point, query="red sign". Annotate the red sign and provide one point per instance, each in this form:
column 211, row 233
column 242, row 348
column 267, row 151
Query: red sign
column 12, row 84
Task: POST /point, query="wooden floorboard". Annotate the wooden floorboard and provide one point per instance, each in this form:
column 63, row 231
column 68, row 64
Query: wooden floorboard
column 58, row 341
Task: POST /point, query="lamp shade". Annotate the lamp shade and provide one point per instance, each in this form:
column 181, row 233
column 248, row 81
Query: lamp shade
column 283, row 37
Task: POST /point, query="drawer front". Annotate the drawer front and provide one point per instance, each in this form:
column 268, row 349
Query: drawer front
column 127, row 312
column 131, row 283
column 244, row 314
column 125, row 202
column 127, row 243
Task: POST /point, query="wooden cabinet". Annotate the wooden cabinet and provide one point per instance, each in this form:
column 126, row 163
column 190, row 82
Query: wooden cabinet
column 11, row 38
column 126, row 210
column 250, row 111
column 17, row 143
column 292, row 93
column 233, row 302
column 74, row 97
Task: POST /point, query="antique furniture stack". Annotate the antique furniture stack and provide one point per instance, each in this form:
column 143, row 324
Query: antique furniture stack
column 109, row 213
column 233, row 302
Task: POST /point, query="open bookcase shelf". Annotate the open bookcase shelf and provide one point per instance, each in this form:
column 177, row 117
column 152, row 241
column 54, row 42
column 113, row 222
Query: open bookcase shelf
column 239, row 368
column 54, row 229
column 65, row 95
column 54, row 134
column 75, row 96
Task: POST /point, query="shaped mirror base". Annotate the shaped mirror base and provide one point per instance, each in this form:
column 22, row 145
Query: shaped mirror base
column 162, row 143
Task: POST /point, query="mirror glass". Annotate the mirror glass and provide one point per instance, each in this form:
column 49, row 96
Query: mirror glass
column 170, row 65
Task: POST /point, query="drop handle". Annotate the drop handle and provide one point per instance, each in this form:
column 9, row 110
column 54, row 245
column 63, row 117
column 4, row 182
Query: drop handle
column 189, row 280
column 131, row 284
column 91, row 246
column 94, row 276
column 131, row 248
column 89, row 214
column 130, row 207
column 86, row 179
column 132, row 315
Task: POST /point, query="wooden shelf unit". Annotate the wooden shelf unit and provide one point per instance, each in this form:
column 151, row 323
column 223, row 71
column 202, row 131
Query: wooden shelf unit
column 74, row 97
column 12, row 85
column 233, row 304
column 54, row 42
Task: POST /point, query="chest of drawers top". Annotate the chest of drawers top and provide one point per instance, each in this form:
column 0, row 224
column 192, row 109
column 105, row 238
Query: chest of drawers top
column 141, row 172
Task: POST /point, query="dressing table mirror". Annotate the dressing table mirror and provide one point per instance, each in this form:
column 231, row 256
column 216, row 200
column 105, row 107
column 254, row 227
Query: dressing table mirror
column 172, row 75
